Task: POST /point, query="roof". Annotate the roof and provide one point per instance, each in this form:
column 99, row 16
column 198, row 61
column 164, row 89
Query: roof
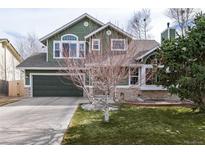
column 144, row 47
column 111, row 25
column 13, row 49
column 38, row 61
column 140, row 48
column 70, row 24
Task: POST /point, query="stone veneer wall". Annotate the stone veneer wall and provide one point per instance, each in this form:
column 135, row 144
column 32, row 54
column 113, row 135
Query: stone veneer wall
column 27, row 91
column 159, row 94
column 127, row 93
column 135, row 94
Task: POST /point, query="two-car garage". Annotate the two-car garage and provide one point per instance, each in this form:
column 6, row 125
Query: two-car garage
column 54, row 86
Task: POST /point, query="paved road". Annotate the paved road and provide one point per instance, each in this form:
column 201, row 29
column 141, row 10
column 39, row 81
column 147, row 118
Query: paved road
column 36, row 120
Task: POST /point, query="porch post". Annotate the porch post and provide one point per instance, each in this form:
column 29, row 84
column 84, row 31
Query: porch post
column 143, row 75
column 129, row 76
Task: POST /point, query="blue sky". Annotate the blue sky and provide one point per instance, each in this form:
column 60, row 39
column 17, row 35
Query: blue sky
column 19, row 22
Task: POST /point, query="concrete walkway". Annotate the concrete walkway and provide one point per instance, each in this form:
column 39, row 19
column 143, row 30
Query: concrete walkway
column 36, row 120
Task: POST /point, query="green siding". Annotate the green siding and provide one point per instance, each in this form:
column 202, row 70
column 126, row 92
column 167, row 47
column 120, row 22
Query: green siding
column 78, row 29
column 164, row 35
column 105, row 40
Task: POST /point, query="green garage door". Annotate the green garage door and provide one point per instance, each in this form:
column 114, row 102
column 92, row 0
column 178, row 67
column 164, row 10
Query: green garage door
column 54, row 86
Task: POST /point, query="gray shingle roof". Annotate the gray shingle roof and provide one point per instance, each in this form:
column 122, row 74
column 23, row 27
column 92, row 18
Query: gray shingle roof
column 144, row 46
column 38, row 60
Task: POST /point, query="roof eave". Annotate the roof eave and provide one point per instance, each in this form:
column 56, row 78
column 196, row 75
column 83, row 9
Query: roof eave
column 147, row 53
column 113, row 26
column 13, row 49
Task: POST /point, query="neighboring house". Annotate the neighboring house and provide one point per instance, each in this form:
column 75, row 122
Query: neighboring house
column 9, row 59
column 42, row 71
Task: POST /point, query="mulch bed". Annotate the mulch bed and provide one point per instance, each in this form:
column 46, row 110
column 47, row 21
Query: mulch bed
column 160, row 103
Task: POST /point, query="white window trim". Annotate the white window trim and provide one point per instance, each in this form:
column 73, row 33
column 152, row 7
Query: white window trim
column 61, row 55
column 130, row 76
column 143, row 85
column 134, row 76
column 54, row 42
column 125, row 45
column 152, row 87
column 70, row 35
column 98, row 40
column 81, row 42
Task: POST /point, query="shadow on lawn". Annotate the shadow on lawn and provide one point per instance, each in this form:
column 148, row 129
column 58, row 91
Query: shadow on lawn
column 134, row 125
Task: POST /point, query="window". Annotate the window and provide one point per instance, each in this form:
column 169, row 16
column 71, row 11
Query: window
column 96, row 44
column 65, row 49
column 81, row 49
column 56, row 49
column 151, row 77
column 134, row 74
column 69, row 46
column 73, row 50
column 70, row 37
column 69, row 49
column 118, row 44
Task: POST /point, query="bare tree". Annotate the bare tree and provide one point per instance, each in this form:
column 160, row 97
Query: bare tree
column 182, row 17
column 139, row 24
column 101, row 71
column 30, row 45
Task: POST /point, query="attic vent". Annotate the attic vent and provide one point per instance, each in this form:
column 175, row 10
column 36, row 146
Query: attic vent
column 108, row 32
column 86, row 24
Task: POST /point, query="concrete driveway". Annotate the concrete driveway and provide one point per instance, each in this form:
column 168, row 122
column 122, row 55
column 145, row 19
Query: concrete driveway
column 36, row 120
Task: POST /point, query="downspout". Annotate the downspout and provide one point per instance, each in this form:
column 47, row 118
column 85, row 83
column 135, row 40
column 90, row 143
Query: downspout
column 5, row 71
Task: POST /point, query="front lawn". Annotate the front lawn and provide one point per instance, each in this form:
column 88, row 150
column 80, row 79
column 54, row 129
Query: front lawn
column 138, row 125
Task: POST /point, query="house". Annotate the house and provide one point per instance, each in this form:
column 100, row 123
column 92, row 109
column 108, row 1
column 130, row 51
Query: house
column 9, row 59
column 43, row 76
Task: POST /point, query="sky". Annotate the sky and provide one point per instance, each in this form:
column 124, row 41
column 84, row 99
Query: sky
column 16, row 23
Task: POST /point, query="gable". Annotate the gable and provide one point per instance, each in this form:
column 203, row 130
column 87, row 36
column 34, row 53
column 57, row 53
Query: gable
column 148, row 57
column 106, row 39
column 70, row 24
column 77, row 29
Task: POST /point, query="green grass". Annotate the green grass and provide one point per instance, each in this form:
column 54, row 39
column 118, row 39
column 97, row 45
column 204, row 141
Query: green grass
column 137, row 125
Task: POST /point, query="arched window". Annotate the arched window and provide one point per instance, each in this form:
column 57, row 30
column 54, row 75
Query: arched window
column 69, row 37
column 69, row 46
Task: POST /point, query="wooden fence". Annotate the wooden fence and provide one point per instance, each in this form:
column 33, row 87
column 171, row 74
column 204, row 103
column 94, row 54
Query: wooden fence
column 16, row 88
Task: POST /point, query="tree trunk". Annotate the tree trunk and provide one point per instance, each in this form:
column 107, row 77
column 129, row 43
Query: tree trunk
column 106, row 115
column 106, row 112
